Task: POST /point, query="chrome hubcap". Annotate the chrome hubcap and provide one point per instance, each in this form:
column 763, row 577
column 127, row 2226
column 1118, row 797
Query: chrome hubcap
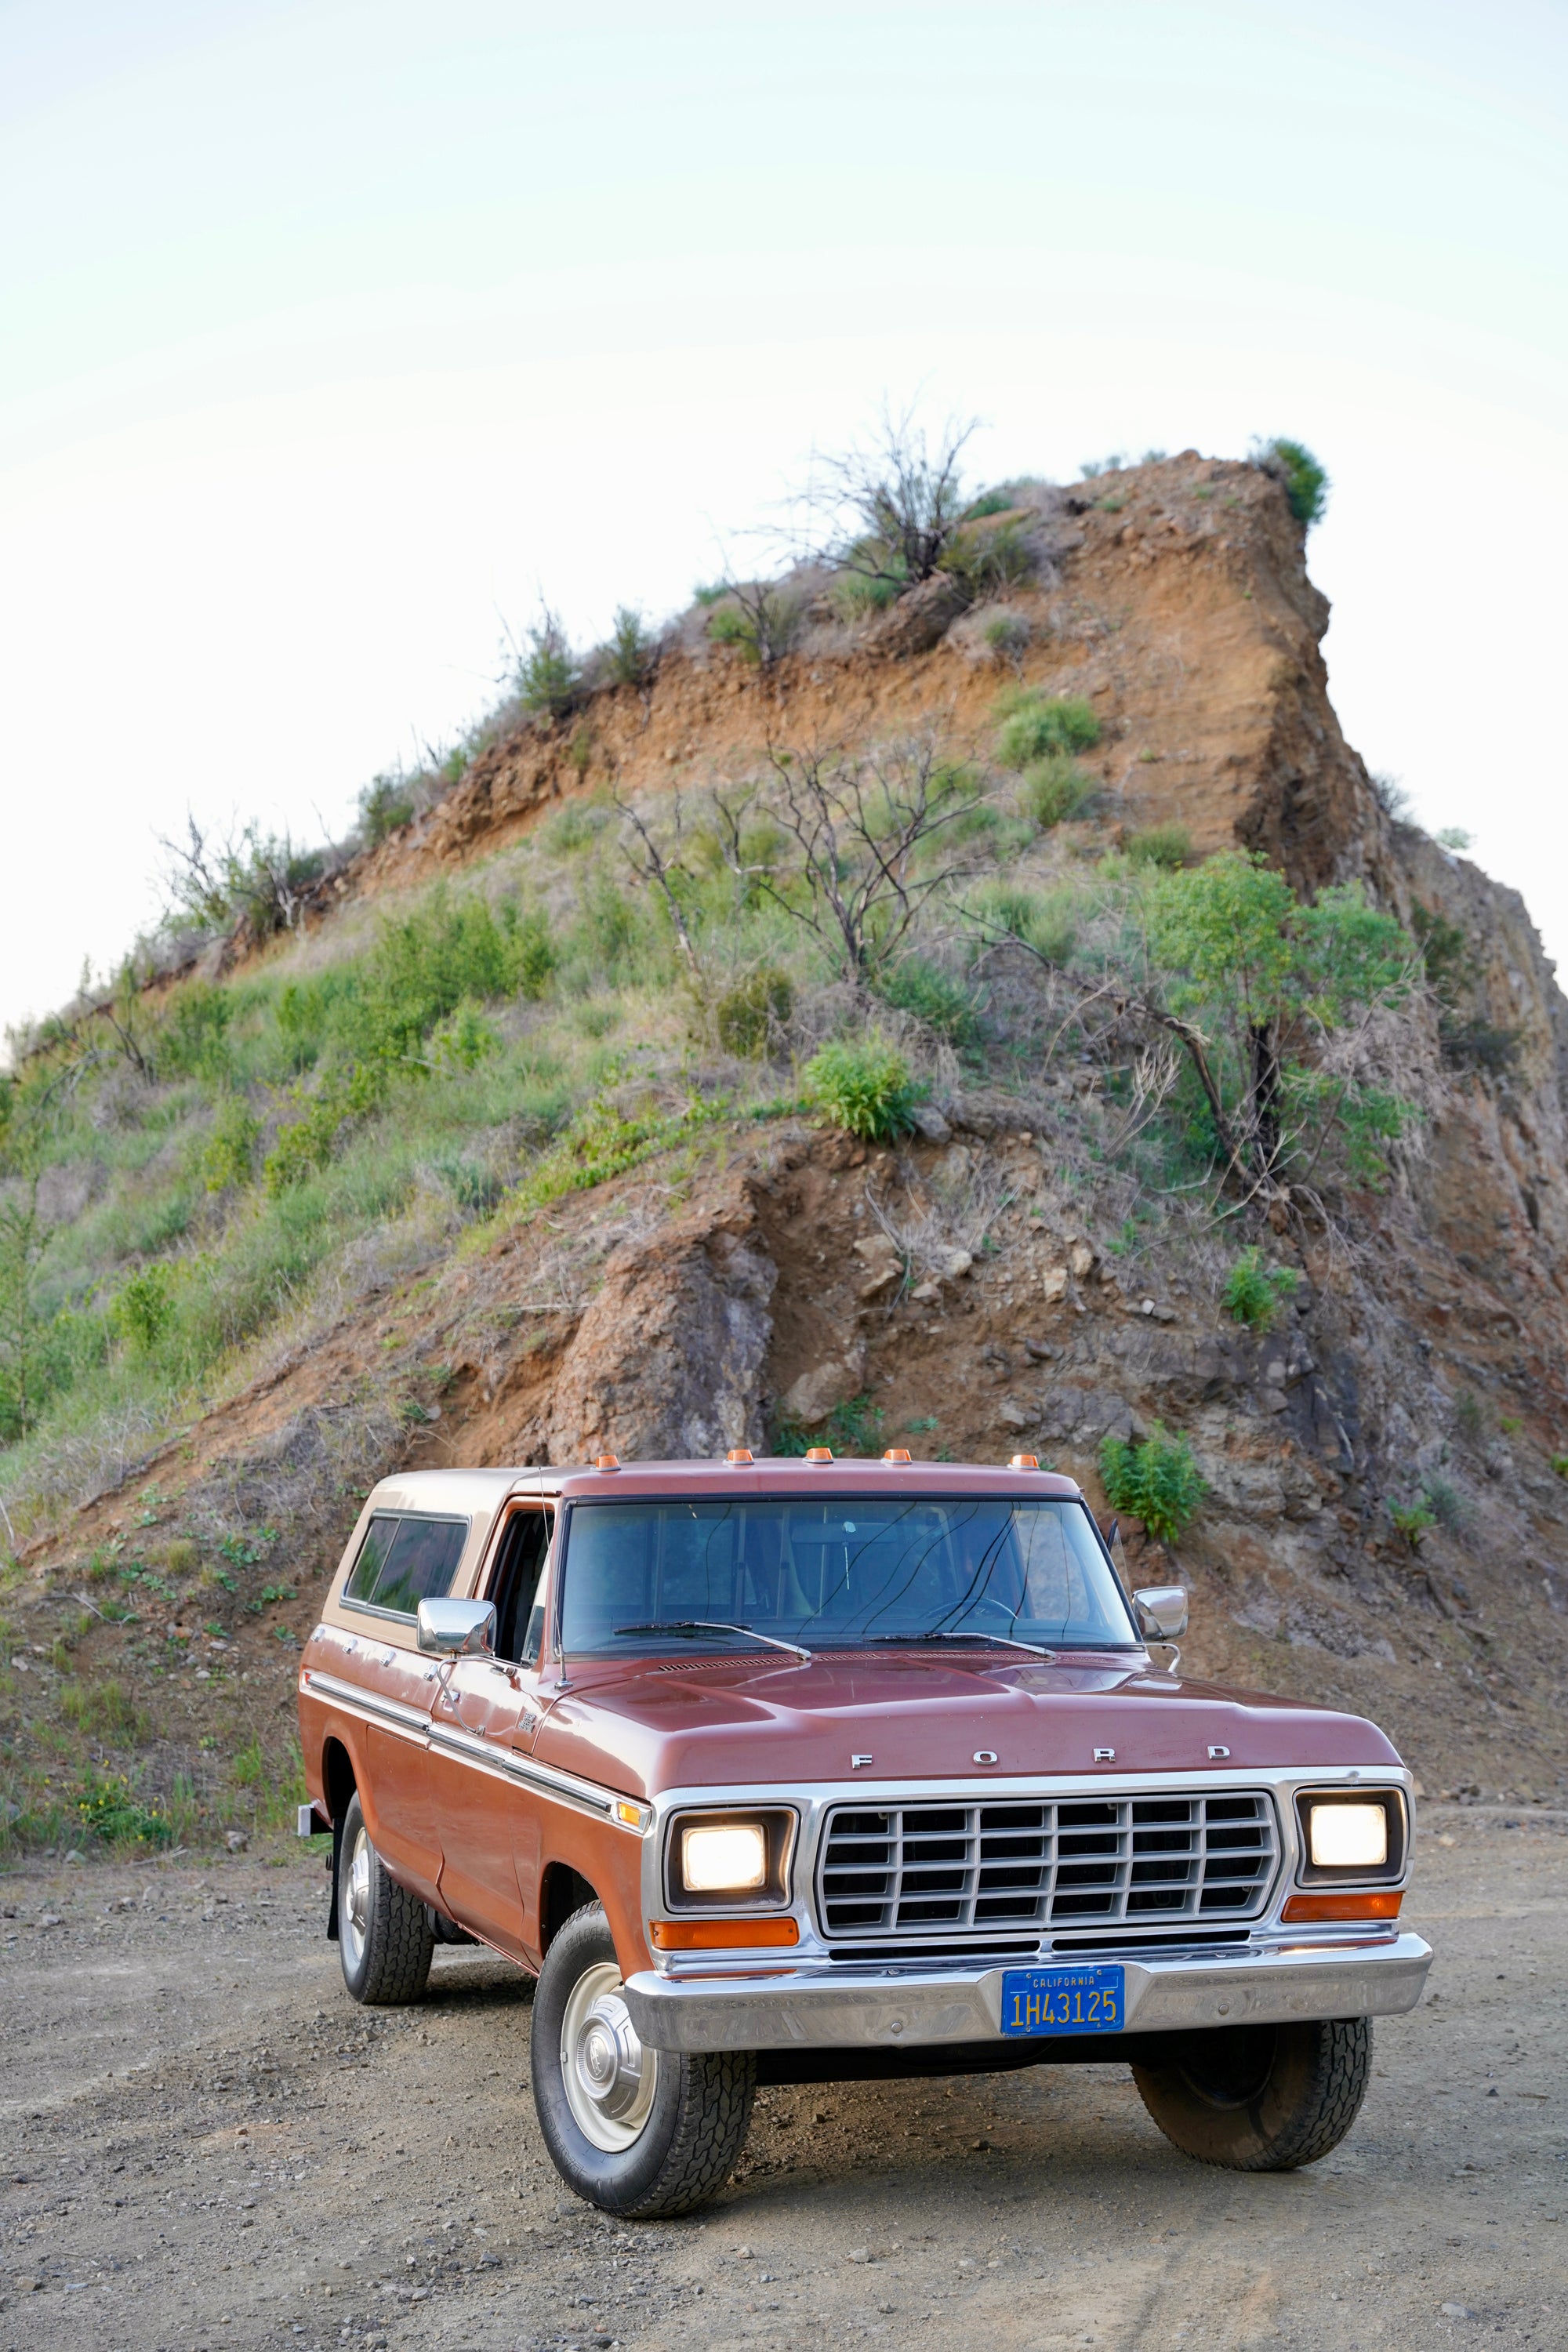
column 353, row 1924
column 610, row 2078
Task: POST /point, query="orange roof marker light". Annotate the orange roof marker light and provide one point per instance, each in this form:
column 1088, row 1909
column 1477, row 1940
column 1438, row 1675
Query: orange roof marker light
column 606, row 1461
column 1024, row 1462
column 819, row 1452
column 739, row 1454
column 897, row 1454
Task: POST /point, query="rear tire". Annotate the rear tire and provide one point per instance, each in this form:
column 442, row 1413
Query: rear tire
column 385, row 1937
column 634, row 2130
column 1260, row 2098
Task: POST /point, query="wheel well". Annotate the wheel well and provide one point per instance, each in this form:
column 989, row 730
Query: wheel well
column 566, row 1890
column 338, row 1783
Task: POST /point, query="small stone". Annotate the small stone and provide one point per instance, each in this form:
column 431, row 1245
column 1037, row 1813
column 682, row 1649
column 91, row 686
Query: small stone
column 979, row 2146
column 927, row 1120
column 859, row 2253
column 1456, row 2311
column 235, row 1839
column 51, row 1919
column 1054, row 1283
column 74, row 1856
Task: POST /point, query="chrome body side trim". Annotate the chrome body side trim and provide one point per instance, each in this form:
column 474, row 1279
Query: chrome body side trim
column 468, row 1746
column 894, row 2006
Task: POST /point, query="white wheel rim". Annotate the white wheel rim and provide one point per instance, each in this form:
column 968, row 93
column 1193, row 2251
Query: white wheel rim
column 354, row 1926
column 610, row 2078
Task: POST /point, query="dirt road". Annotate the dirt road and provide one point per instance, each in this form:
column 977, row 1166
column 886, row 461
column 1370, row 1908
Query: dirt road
column 203, row 2143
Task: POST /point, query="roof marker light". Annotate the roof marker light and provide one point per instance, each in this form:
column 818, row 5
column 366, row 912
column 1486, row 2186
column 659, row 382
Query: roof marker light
column 819, row 1452
column 740, row 1455
column 1024, row 1462
column 897, row 1454
column 606, row 1461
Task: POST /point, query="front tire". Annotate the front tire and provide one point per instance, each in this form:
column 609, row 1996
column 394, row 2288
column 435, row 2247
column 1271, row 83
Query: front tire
column 1260, row 2098
column 385, row 1937
column 634, row 2130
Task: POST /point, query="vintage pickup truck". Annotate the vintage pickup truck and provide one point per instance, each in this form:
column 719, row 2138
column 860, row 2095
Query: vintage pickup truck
column 806, row 1771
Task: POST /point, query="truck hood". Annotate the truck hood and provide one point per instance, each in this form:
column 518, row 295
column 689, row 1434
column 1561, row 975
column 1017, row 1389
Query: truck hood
column 648, row 1724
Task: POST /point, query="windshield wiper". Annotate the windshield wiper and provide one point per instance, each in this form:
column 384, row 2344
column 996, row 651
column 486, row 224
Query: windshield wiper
column 717, row 1625
column 945, row 1633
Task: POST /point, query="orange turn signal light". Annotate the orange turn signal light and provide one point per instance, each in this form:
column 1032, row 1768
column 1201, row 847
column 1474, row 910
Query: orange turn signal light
column 819, row 1452
column 722, row 1935
column 606, row 1461
column 738, row 1453
column 1024, row 1462
column 1377, row 1902
column 897, row 1454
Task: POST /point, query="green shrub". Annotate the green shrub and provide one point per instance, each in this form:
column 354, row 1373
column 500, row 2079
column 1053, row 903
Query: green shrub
column 1007, row 634
column 228, row 1155
column 193, row 1041
column 1160, row 844
column 549, row 676
column 603, row 1141
column 754, row 1011
column 1255, row 1290
column 983, row 561
column 387, row 803
column 1032, row 727
column 932, row 996
column 855, row 1427
column 1157, row 1482
column 1413, row 1520
column 144, row 1309
column 1306, row 482
column 633, row 655
column 1446, row 1504
column 1046, row 923
column 463, row 1040
column 854, row 596
column 574, row 827
column 761, row 621
column 865, row 1088
column 109, row 1809
column 1055, row 789
column 989, row 502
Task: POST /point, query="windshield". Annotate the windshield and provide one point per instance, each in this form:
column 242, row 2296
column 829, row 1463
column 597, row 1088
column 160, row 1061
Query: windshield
column 837, row 1571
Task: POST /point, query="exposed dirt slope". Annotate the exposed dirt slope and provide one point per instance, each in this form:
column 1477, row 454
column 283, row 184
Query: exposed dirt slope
column 680, row 1307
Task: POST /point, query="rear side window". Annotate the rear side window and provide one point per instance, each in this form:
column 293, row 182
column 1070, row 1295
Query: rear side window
column 404, row 1560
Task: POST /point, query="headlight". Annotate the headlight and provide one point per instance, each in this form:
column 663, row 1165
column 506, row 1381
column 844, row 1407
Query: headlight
column 717, row 1861
column 1347, row 1837
column 1351, row 1836
column 730, row 1860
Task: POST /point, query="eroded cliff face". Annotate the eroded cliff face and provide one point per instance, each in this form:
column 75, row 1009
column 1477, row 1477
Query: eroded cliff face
column 673, row 1312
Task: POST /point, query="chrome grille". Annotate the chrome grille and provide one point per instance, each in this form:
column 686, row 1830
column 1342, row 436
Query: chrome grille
column 1063, row 1862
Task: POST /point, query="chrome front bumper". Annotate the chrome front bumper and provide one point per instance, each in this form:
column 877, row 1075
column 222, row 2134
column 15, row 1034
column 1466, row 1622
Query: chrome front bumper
column 846, row 2006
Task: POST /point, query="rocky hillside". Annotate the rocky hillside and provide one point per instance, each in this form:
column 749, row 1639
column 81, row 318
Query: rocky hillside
column 621, row 1223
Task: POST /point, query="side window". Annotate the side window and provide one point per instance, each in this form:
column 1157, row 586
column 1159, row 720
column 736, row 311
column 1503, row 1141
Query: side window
column 404, row 1560
column 524, row 1543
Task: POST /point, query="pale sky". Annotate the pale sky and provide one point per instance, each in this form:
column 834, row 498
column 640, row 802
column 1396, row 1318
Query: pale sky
column 330, row 334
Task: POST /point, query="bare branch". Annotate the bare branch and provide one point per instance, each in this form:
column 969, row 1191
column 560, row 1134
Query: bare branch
column 653, row 867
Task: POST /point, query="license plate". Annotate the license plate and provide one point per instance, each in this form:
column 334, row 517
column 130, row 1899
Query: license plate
column 1062, row 2001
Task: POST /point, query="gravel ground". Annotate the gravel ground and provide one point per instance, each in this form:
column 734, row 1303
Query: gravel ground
column 204, row 2144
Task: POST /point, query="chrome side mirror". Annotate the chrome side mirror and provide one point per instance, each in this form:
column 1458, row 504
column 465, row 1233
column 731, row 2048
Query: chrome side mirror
column 458, row 1629
column 1161, row 1612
